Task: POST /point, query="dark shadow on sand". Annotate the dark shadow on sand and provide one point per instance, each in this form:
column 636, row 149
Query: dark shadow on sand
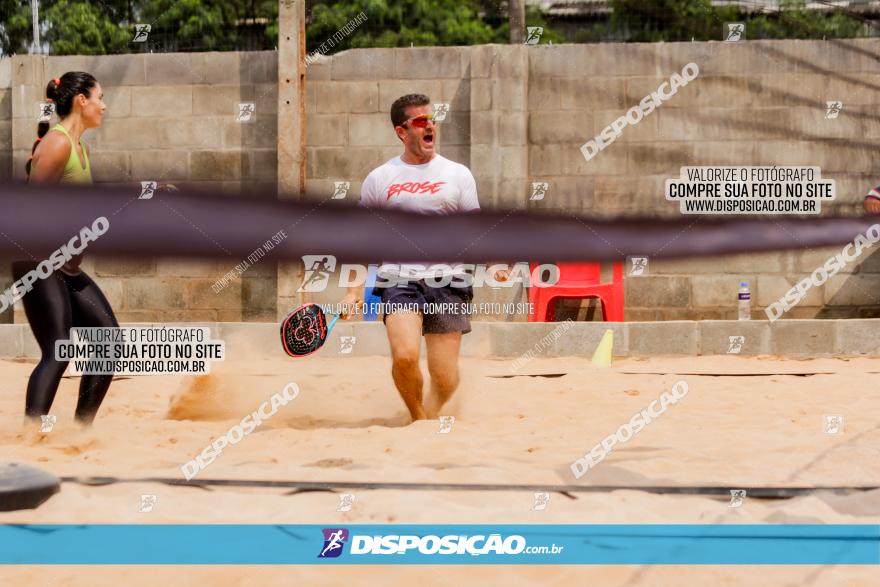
column 306, row 423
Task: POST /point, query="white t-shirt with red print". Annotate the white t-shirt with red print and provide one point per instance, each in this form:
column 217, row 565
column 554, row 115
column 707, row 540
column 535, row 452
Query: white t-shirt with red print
column 439, row 186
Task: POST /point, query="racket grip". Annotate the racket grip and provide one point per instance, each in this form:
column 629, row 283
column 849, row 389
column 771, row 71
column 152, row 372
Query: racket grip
column 332, row 322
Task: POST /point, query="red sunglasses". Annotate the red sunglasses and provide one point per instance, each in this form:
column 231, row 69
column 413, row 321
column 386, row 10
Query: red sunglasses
column 420, row 121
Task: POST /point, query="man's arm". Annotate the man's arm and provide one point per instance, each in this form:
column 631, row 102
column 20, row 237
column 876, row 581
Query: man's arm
column 468, row 201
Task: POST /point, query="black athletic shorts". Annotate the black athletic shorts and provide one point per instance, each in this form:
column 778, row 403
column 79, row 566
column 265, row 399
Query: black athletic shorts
column 443, row 309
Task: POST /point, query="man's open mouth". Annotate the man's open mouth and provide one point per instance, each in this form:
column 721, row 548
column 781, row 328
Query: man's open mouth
column 428, row 139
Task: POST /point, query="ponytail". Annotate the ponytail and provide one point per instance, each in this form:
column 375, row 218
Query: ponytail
column 42, row 129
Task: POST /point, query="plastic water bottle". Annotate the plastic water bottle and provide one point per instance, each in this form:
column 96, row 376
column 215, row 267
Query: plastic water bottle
column 745, row 302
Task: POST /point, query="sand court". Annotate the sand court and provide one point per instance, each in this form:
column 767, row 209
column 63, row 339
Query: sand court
column 348, row 425
column 538, row 439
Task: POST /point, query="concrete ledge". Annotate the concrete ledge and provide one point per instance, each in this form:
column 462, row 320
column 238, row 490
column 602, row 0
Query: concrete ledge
column 663, row 338
column 787, row 338
column 857, row 337
column 12, row 340
column 715, row 337
column 803, row 337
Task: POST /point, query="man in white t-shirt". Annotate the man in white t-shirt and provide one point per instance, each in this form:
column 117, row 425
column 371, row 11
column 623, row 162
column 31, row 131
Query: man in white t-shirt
column 420, row 181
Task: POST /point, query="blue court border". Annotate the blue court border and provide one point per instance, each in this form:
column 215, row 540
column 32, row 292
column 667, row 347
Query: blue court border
column 250, row 544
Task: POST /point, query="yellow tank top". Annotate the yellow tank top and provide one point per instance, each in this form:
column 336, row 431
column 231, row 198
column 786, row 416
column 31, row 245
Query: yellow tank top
column 74, row 172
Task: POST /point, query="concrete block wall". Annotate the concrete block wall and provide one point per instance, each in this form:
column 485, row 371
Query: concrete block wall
column 349, row 132
column 753, row 103
column 173, row 118
column 499, row 137
column 170, row 117
column 348, row 99
column 706, row 288
column 531, row 108
column 518, row 114
column 789, row 339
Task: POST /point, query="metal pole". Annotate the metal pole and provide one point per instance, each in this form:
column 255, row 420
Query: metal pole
column 517, row 17
column 291, row 134
column 35, row 18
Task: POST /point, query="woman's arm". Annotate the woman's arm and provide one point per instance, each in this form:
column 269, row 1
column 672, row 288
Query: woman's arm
column 50, row 158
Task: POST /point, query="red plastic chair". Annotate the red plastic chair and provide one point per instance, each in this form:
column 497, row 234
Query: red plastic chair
column 578, row 281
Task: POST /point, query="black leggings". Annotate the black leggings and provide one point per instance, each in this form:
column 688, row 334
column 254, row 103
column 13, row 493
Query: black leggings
column 53, row 307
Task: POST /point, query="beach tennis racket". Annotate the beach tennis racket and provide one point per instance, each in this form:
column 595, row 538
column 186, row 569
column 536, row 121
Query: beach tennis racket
column 305, row 330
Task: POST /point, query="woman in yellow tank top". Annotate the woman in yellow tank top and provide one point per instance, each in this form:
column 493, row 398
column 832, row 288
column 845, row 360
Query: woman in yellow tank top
column 76, row 169
column 67, row 298
column 61, row 156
